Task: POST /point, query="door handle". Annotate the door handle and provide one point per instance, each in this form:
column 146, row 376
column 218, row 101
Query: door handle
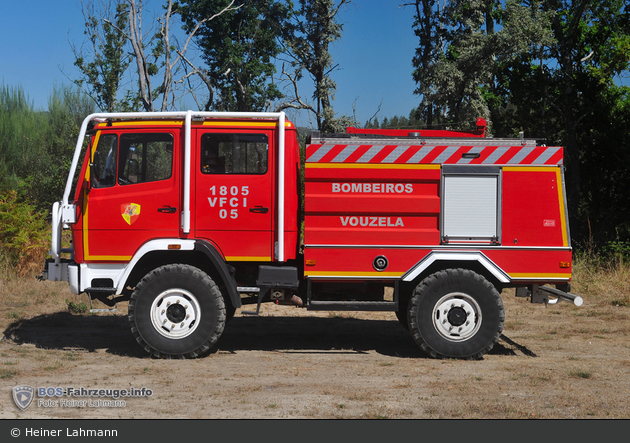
column 167, row 209
column 471, row 155
column 259, row 210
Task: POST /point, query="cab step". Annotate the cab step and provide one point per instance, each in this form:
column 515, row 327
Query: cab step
column 103, row 293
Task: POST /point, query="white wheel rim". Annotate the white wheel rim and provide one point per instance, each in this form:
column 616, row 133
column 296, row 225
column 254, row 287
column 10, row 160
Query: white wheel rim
column 457, row 317
column 175, row 313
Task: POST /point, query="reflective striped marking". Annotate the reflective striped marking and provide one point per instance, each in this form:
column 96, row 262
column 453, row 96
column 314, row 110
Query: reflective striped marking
column 435, row 154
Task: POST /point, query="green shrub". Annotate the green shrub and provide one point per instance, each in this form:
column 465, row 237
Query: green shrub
column 24, row 233
column 77, row 308
column 617, row 250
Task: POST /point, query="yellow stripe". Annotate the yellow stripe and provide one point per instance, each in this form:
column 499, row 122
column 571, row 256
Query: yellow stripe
column 143, row 123
column 370, row 166
column 109, row 257
column 271, row 124
column 351, row 274
column 86, row 249
column 563, row 219
column 246, row 258
column 537, row 276
column 530, row 168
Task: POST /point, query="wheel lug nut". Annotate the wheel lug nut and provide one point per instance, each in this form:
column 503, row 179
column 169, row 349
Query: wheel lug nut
column 168, row 303
column 163, row 311
column 182, row 325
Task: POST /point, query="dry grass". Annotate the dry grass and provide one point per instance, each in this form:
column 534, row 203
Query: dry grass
column 606, row 284
column 25, row 296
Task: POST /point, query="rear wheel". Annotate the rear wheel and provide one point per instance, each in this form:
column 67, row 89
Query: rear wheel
column 456, row 313
column 177, row 311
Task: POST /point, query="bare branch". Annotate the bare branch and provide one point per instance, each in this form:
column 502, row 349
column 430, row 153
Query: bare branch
column 135, row 29
column 296, row 102
column 378, row 109
column 168, row 69
column 201, row 73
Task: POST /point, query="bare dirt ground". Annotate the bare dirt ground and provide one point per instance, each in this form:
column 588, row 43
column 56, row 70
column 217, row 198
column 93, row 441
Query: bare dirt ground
column 558, row 361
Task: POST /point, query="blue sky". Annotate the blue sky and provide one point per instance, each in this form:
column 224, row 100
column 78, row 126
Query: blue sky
column 374, row 53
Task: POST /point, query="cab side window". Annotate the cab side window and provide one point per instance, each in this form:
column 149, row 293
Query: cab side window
column 103, row 164
column 234, row 153
column 145, row 158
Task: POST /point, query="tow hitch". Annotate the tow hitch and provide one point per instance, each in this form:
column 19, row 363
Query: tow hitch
column 540, row 294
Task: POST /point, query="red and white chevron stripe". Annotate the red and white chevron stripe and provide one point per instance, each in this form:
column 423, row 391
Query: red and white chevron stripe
column 435, row 154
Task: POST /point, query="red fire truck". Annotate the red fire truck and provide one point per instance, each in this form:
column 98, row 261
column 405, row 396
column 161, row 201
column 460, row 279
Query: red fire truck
column 191, row 215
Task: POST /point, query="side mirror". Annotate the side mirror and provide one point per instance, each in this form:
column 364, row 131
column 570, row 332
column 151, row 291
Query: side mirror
column 95, row 169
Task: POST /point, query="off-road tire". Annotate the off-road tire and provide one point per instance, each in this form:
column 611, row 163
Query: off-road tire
column 403, row 313
column 467, row 303
column 196, row 312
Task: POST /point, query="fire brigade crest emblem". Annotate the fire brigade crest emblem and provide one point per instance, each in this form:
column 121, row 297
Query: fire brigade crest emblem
column 130, row 212
column 23, row 396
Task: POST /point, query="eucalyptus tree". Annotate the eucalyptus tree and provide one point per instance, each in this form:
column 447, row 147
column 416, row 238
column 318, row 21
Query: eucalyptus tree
column 239, row 49
column 462, row 45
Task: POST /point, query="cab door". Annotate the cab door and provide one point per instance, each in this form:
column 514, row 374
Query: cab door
column 234, row 190
column 134, row 193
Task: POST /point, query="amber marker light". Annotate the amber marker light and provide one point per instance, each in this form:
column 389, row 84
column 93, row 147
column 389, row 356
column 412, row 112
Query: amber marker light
column 310, row 262
column 174, row 246
column 565, row 264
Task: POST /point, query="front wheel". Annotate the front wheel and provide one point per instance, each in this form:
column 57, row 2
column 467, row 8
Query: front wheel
column 456, row 313
column 177, row 311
